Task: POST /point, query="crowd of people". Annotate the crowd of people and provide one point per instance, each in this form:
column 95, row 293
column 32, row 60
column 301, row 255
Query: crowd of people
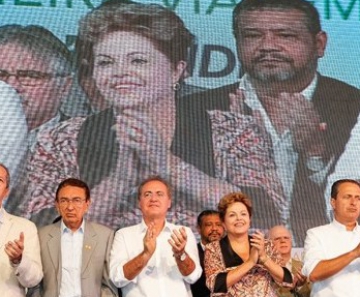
column 76, row 257
column 284, row 135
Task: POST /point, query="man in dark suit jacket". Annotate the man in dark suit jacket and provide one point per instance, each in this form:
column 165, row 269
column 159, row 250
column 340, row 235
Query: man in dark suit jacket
column 307, row 117
column 210, row 229
column 75, row 252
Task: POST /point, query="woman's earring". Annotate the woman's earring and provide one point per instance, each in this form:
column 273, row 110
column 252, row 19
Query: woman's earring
column 176, row 86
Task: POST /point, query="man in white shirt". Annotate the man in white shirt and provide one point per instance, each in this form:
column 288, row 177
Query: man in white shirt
column 332, row 251
column 347, row 166
column 154, row 258
column 20, row 260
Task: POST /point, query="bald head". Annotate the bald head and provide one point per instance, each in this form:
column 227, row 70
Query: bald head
column 281, row 237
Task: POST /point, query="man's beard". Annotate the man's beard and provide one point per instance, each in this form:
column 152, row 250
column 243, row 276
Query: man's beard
column 288, row 73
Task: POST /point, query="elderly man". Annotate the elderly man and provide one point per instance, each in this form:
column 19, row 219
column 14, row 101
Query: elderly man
column 38, row 66
column 280, row 115
column 20, row 260
column 154, row 258
column 332, row 251
column 281, row 238
column 210, row 228
column 74, row 251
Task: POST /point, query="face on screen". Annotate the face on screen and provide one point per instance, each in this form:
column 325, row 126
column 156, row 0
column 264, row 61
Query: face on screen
column 32, row 78
column 130, row 71
column 276, row 45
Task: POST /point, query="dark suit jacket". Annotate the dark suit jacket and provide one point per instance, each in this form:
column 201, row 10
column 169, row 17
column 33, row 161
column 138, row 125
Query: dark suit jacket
column 95, row 260
column 338, row 105
column 199, row 289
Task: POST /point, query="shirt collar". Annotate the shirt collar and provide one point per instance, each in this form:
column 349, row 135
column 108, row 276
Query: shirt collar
column 340, row 226
column 143, row 227
column 65, row 229
column 252, row 100
column 2, row 211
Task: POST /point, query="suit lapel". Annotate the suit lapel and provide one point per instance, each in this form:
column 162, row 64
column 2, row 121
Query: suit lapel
column 54, row 247
column 5, row 229
column 89, row 246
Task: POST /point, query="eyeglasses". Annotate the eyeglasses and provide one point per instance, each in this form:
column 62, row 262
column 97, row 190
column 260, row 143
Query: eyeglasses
column 29, row 78
column 77, row 202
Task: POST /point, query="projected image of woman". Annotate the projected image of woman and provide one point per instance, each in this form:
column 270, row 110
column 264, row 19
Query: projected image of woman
column 135, row 54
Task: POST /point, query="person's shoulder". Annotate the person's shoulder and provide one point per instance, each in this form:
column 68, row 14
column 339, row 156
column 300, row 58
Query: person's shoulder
column 209, row 96
column 133, row 229
column 99, row 228
column 48, row 228
column 20, row 220
column 332, row 85
column 319, row 229
column 63, row 130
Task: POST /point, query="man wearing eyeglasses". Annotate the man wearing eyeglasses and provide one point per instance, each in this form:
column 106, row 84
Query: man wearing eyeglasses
column 35, row 63
column 74, row 251
column 38, row 66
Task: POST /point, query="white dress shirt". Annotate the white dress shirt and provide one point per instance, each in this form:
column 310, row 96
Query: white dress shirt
column 328, row 242
column 161, row 277
column 71, row 258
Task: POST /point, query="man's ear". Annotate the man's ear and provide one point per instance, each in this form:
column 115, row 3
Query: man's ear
column 179, row 71
column 321, row 41
column 332, row 202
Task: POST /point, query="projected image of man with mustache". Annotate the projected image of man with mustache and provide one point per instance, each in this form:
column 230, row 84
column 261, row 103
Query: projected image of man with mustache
column 306, row 118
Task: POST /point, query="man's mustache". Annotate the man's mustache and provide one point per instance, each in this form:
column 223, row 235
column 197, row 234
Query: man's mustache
column 272, row 56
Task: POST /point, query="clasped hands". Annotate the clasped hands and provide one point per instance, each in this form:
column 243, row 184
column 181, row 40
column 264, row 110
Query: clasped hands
column 257, row 248
column 292, row 112
column 177, row 241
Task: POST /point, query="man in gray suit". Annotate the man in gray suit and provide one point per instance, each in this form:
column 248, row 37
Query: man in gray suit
column 74, row 251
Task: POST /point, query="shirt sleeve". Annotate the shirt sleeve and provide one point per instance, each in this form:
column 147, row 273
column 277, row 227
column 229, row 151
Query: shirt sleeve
column 313, row 251
column 29, row 272
column 192, row 251
column 214, row 269
column 119, row 256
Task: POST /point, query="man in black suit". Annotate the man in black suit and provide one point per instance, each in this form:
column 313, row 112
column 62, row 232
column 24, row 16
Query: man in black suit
column 306, row 117
column 210, row 229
